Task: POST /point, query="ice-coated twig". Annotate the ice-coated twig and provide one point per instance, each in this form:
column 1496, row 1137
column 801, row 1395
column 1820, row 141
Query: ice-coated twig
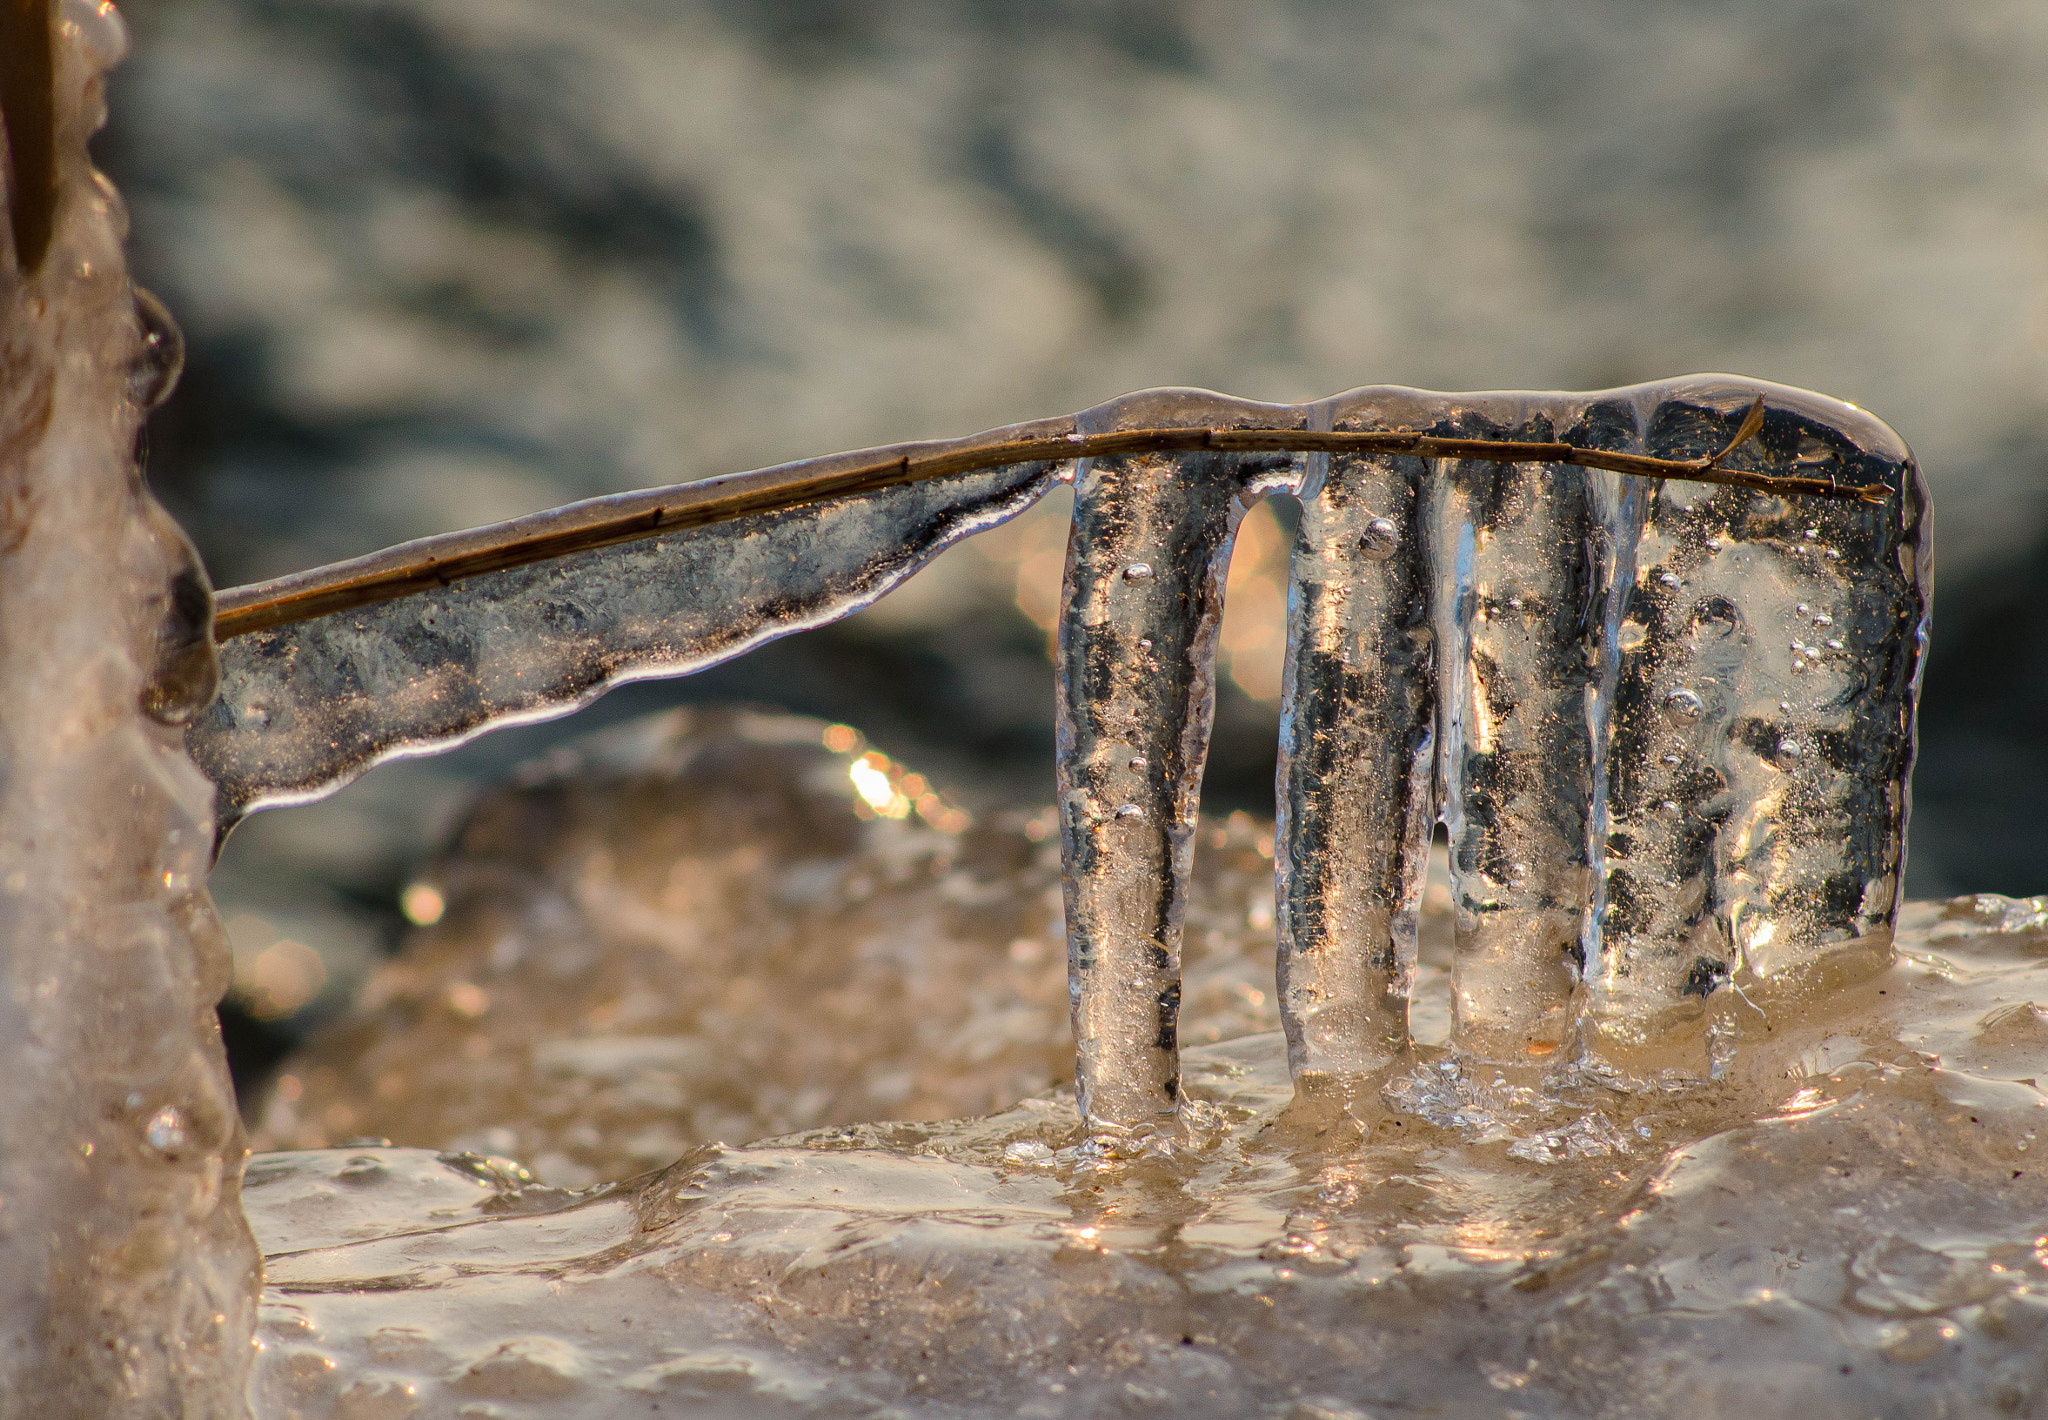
column 1662, row 704
column 631, row 517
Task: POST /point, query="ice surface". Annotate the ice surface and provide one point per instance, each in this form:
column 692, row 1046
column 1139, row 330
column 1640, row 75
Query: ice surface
column 1846, row 1223
column 127, row 1272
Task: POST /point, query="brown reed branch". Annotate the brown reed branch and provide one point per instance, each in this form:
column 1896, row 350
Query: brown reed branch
column 606, row 522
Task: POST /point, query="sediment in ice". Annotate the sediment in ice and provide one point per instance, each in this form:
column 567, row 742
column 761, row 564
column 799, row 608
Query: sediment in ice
column 127, row 1272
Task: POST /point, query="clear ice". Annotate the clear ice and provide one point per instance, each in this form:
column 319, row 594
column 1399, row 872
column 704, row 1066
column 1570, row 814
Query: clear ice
column 128, row 1274
column 1845, row 1223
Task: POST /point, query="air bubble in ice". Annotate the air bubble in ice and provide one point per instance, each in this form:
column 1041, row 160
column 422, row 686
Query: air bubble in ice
column 155, row 371
column 100, row 25
column 1380, row 539
column 1137, row 763
column 1789, row 753
column 187, row 671
column 1668, row 579
column 1130, row 811
column 1684, row 707
column 165, row 1130
column 1821, row 618
column 1138, row 572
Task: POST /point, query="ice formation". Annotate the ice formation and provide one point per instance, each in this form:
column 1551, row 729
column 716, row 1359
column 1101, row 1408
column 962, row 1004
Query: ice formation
column 127, row 1271
column 1692, row 1106
column 1668, row 726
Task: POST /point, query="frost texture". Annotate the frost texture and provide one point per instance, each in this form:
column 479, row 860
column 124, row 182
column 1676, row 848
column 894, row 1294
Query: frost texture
column 127, row 1272
column 1667, row 726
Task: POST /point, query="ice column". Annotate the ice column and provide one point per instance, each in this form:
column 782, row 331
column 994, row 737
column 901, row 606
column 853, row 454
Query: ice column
column 1137, row 660
column 1673, row 723
column 1357, row 754
column 127, row 1274
column 1513, row 548
column 1765, row 659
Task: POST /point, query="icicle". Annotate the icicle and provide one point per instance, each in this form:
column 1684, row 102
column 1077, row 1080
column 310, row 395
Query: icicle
column 1511, row 604
column 1767, row 654
column 1355, row 794
column 1137, row 685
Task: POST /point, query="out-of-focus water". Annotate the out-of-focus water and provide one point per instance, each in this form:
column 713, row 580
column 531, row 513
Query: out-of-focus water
column 438, row 265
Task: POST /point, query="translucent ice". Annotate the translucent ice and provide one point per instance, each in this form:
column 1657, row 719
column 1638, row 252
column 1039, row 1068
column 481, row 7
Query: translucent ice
column 127, row 1272
column 1137, row 680
column 1846, row 1223
column 1667, row 726
column 306, row 708
column 1657, row 776
column 1846, row 1220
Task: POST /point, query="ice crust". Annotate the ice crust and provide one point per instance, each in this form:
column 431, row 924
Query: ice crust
column 127, row 1273
column 1846, row 1223
column 1856, row 1189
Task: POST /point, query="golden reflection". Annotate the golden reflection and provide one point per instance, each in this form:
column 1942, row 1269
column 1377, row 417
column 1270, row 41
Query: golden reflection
column 1253, row 642
column 1027, row 559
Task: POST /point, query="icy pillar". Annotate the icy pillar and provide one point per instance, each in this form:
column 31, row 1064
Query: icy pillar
column 1355, row 798
column 127, row 1274
column 1137, row 682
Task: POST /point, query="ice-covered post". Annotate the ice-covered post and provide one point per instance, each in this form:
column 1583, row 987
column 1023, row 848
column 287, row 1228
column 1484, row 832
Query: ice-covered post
column 127, row 1273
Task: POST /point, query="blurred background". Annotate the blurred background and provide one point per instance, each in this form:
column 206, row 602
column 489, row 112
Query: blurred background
column 442, row 263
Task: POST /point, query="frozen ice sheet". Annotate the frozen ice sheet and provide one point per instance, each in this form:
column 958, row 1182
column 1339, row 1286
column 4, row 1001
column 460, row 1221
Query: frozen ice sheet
column 1846, row 1223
